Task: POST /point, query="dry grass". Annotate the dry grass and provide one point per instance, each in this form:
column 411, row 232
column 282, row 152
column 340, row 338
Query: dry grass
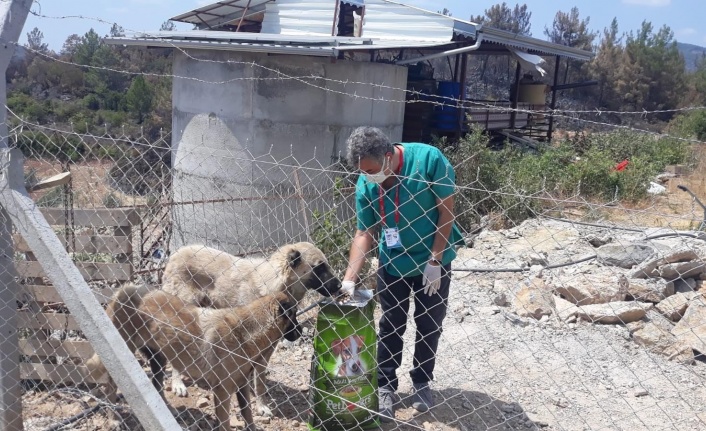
column 674, row 209
column 89, row 181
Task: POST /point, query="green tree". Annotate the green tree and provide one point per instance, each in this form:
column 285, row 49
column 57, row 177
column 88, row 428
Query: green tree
column 86, row 49
column 697, row 84
column 117, row 31
column 35, row 41
column 653, row 67
column 71, row 44
column 168, row 26
column 570, row 30
column 501, row 16
column 139, row 98
column 603, row 67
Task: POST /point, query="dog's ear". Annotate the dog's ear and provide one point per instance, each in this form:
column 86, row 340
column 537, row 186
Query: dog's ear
column 294, row 257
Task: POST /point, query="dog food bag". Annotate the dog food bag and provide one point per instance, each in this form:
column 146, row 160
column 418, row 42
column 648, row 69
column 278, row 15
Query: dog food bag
column 344, row 385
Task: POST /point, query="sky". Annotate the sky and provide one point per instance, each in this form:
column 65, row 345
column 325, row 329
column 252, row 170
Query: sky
column 61, row 18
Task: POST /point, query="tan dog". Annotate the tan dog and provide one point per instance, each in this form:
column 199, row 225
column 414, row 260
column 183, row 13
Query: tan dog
column 212, row 278
column 219, row 349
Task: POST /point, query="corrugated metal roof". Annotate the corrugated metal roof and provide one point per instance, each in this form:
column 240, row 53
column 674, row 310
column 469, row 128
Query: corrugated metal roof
column 420, row 23
column 255, row 42
column 222, row 13
column 387, row 24
column 252, row 37
column 270, row 48
column 386, row 20
column 300, row 17
column 531, row 44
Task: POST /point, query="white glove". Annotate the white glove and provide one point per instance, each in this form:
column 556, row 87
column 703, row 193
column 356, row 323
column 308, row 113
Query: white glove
column 348, row 287
column 432, row 278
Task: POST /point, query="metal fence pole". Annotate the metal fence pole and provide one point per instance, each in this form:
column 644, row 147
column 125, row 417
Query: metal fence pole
column 12, row 19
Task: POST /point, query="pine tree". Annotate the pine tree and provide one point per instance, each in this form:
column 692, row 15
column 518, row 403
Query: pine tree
column 139, row 98
column 603, row 67
column 168, row 26
column 35, row 41
column 568, row 29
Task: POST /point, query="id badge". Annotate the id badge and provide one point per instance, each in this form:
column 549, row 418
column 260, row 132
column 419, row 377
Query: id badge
column 392, row 238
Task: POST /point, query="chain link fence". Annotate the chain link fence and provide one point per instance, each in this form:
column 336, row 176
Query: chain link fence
column 570, row 306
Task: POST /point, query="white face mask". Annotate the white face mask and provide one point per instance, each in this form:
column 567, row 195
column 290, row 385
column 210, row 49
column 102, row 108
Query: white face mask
column 379, row 177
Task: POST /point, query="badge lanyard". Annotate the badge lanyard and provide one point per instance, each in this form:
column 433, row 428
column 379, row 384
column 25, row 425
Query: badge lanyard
column 381, row 197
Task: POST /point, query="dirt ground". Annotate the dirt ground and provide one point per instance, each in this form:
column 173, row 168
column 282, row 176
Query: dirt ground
column 88, row 182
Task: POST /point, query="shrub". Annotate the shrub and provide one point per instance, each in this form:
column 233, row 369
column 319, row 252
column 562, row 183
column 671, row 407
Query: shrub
column 691, row 125
column 111, row 200
column 333, row 235
column 54, row 198
column 509, row 181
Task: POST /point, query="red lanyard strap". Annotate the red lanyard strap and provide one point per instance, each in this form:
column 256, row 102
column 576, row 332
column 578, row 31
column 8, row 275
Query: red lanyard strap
column 381, row 196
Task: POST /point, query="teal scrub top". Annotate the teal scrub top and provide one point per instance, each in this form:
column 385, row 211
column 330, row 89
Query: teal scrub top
column 426, row 175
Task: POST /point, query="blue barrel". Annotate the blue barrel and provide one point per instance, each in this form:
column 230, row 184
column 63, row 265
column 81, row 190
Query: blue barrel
column 446, row 114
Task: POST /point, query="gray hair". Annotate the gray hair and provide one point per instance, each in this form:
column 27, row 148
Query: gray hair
column 367, row 143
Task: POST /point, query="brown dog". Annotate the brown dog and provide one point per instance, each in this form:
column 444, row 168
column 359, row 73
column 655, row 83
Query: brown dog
column 218, row 349
column 208, row 277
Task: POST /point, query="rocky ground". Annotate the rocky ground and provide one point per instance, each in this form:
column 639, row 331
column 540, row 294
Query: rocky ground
column 611, row 343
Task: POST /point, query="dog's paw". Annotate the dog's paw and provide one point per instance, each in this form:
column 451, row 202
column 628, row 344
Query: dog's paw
column 179, row 388
column 261, row 409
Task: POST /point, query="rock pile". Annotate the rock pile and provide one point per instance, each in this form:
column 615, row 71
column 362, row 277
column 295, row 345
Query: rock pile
column 654, row 290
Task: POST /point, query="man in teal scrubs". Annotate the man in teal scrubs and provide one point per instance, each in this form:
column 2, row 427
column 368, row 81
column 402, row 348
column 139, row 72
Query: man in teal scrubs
column 407, row 191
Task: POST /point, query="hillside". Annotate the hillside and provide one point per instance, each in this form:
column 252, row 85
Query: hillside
column 692, row 54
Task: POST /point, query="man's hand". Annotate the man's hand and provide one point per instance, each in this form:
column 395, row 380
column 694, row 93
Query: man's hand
column 431, row 278
column 348, row 287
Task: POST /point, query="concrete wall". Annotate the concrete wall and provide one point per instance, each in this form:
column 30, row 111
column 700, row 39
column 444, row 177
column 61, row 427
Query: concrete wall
column 241, row 130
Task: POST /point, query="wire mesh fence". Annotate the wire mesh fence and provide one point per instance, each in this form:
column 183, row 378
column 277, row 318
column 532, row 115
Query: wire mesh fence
column 571, row 298
column 566, row 309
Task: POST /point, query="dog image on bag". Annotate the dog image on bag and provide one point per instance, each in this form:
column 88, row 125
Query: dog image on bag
column 207, row 277
column 347, row 353
column 217, row 348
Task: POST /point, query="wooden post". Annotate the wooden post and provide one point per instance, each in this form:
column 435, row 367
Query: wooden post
column 242, row 18
column 13, row 15
column 515, row 96
column 462, row 104
column 550, row 129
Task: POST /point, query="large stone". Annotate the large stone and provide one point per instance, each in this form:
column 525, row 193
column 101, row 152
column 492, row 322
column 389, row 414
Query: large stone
column 624, row 255
column 653, row 336
column 658, row 339
column 585, row 289
column 649, row 267
column 691, row 329
column 615, row 312
column 654, row 290
column 565, row 310
column 683, row 270
column 673, row 308
column 598, row 241
column 533, row 299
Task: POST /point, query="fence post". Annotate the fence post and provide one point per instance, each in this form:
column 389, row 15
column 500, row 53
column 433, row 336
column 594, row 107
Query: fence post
column 12, row 19
column 122, row 365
